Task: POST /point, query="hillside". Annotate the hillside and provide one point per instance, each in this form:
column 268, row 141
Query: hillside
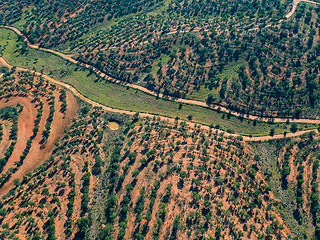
column 291, row 168
column 159, row 119
column 151, row 179
column 241, row 55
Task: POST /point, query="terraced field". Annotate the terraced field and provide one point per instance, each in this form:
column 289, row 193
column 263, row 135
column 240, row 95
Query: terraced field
column 118, row 96
column 57, row 146
column 159, row 119
column 39, row 124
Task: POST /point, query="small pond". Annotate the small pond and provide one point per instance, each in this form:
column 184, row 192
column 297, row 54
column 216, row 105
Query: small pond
column 113, row 125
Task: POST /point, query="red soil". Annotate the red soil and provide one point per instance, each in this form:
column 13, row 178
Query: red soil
column 37, row 154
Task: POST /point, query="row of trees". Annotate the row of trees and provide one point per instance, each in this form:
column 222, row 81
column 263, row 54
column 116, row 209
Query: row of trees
column 1, row 132
column 85, row 188
column 46, row 132
column 178, row 152
column 37, row 121
column 63, row 99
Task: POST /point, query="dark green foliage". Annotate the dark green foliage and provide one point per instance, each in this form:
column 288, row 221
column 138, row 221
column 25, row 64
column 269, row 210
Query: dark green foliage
column 272, row 130
column 4, row 69
column 294, row 127
column 11, row 113
column 37, row 121
column 63, row 99
column 286, row 165
column 85, row 191
column 315, row 207
column 83, row 224
column 46, row 132
column 1, row 132
column 140, row 203
column 25, row 152
column 168, row 193
column 7, row 154
column 96, row 170
column 51, row 230
column 210, row 99
column 106, row 232
column 71, row 196
column 8, row 113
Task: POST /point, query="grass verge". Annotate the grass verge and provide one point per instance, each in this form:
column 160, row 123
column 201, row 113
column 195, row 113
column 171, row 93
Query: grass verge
column 121, row 97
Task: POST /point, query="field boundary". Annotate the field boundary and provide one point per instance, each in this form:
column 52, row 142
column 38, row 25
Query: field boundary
column 160, row 95
column 192, row 124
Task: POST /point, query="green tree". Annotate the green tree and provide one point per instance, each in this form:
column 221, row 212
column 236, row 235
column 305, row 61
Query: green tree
column 210, row 99
column 272, row 132
column 83, row 224
column 294, row 127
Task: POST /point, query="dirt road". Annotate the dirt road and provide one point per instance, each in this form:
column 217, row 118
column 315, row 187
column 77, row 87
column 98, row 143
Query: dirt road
column 295, row 5
column 191, row 124
column 182, row 100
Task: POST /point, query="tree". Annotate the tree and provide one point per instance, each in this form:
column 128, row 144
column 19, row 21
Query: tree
column 297, row 113
column 294, row 127
column 16, row 182
column 83, row 224
column 210, row 99
column 272, row 132
column 255, row 122
column 96, row 169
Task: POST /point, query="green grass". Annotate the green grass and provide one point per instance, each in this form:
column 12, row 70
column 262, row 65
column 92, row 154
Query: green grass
column 164, row 59
column 121, row 97
column 270, row 154
column 229, row 72
column 202, row 94
column 27, row 11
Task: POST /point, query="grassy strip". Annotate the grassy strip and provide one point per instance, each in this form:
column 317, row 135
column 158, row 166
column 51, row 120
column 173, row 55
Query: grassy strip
column 121, row 97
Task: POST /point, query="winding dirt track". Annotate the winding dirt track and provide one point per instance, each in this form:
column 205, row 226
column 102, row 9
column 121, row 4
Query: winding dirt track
column 182, row 100
column 295, row 5
column 191, row 124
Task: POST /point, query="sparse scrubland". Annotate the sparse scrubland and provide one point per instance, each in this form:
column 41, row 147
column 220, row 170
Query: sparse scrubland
column 153, row 178
column 152, row 166
column 225, row 52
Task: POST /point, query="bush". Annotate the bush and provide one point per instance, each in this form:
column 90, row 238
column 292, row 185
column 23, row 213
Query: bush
column 83, row 224
column 96, row 170
column 294, row 127
column 135, row 173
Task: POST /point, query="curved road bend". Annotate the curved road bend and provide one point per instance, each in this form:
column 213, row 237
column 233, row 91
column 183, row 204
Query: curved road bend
column 182, row 100
column 191, row 124
column 295, row 5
